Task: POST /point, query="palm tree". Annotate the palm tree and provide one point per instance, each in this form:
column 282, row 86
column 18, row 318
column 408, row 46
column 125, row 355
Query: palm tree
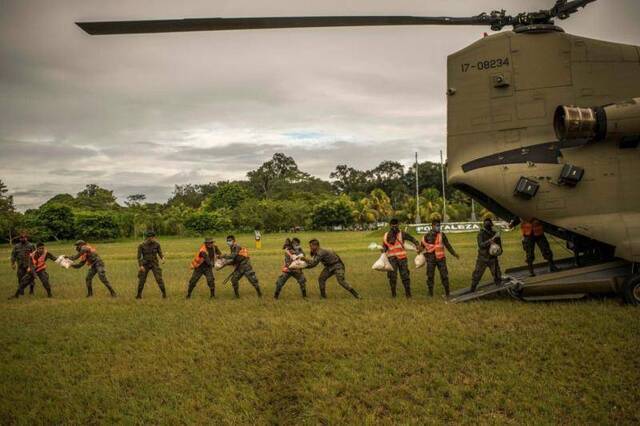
column 363, row 213
column 381, row 203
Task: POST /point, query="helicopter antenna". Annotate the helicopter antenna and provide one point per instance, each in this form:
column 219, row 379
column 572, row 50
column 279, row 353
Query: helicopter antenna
column 496, row 20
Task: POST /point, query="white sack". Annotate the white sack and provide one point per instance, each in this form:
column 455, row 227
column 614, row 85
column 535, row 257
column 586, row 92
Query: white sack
column 420, row 260
column 219, row 264
column 382, row 264
column 298, row 264
column 64, row 262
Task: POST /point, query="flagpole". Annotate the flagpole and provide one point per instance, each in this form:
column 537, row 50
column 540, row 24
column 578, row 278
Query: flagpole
column 444, row 194
column 418, row 220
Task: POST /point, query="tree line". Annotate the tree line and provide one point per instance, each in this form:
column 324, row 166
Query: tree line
column 277, row 196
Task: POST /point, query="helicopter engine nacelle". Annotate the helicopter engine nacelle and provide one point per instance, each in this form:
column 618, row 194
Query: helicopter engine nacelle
column 618, row 122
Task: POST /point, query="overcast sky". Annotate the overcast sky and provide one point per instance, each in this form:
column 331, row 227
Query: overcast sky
column 141, row 113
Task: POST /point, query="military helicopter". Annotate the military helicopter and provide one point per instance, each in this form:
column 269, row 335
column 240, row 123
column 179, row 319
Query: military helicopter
column 540, row 124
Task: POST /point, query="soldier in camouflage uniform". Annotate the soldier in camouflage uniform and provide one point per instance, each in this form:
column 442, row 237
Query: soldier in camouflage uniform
column 333, row 265
column 487, row 235
column 37, row 269
column 532, row 234
column 202, row 264
column 149, row 255
column 434, row 243
column 21, row 260
column 88, row 256
column 292, row 251
column 239, row 257
column 393, row 245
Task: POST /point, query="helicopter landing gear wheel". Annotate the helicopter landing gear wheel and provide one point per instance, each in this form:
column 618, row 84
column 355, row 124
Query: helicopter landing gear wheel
column 631, row 290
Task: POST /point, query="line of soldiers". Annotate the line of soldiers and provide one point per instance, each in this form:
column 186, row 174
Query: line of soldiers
column 30, row 261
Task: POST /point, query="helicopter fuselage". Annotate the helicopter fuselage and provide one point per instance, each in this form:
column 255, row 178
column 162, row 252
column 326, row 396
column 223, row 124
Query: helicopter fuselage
column 502, row 149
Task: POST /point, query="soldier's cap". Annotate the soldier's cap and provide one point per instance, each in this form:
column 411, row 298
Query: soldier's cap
column 435, row 217
column 393, row 221
column 80, row 243
column 208, row 241
column 40, row 245
column 23, row 234
column 149, row 234
column 487, row 216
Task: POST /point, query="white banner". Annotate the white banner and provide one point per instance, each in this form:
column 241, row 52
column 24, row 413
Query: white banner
column 457, row 227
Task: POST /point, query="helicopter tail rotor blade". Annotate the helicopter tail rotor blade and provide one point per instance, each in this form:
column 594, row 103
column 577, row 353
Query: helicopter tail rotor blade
column 226, row 24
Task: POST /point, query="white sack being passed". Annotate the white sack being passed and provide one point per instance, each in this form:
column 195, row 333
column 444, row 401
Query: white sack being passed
column 420, row 260
column 219, row 264
column 298, row 264
column 382, row 264
column 64, row 262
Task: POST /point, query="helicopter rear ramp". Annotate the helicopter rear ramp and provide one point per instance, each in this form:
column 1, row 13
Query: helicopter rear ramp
column 570, row 282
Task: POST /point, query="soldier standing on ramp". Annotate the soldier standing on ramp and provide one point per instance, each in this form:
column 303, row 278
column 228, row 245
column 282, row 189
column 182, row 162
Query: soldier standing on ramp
column 88, row 256
column 333, row 265
column 487, row 236
column 532, row 234
column 202, row 264
column 239, row 257
column 38, row 268
column 434, row 243
column 149, row 252
column 21, row 260
column 292, row 250
column 393, row 245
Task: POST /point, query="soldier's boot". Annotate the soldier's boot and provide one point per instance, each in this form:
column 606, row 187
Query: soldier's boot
column 212, row 293
column 354, row 293
column 48, row 290
column 163, row 290
column 430, row 291
column 407, row 291
column 552, row 266
column 236, row 291
column 31, row 289
column 112, row 292
column 89, row 290
column 532, row 273
column 323, row 293
column 445, row 284
column 393, row 291
column 304, row 292
column 258, row 291
column 190, row 290
column 16, row 295
column 139, row 294
column 277, row 293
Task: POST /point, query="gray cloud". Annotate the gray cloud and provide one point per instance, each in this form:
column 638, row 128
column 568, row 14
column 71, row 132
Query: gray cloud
column 142, row 113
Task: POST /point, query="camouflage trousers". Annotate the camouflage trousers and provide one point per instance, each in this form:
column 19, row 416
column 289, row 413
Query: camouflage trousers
column 401, row 266
column 529, row 247
column 339, row 272
column 21, row 273
column 99, row 270
column 441, row 264
column 157, row 274
column 284, row 277
column 482, row 263
column 245, row 270
column 29, row 280
column 198, row 272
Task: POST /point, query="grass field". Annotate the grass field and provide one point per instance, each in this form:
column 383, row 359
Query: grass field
column 338, row 361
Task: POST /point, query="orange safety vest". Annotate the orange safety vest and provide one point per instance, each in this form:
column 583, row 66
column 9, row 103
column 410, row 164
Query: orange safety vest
column 197, row 259
column 437, row 248
column 41, row 261
column 397, row 248
column 83, row 257
column 533, row 227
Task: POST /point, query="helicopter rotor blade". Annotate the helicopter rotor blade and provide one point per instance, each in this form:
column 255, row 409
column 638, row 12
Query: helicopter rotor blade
column 226, row 24
column 563, row 8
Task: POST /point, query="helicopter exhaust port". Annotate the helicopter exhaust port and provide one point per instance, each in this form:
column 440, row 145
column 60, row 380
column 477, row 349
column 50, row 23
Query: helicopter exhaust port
column 619, row 123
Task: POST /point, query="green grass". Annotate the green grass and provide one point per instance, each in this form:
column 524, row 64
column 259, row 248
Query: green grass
column 335, row 361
